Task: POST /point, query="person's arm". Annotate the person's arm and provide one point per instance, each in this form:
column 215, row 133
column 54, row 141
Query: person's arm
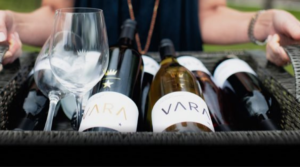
column 222, row 25
column 31, row 28
column 34, row 28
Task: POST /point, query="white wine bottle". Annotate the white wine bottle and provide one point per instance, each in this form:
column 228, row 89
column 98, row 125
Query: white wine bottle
column 175, row 100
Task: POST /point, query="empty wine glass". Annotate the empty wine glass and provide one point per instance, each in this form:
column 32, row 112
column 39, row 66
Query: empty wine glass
column 79, row 50
column 47, row 83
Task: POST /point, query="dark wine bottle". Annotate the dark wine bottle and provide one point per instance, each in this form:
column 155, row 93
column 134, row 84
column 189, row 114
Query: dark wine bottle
column 211, row 92
column 175, row 99
column 32, row 106
column 250, row 105
column 114, row 100
column 151, row 66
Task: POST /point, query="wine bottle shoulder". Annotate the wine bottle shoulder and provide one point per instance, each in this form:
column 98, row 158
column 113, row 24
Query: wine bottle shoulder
column 123, row 49
column 173, row 69
column 228, row 67
column 173, row 77
column 151, row 66
column 218, row 63
column 205, row 80
column 192, row 63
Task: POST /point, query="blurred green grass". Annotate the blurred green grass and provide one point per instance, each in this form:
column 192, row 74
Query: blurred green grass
column 20, row 5
column 30, row 5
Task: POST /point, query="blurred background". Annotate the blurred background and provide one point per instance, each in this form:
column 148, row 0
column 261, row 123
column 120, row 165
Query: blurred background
column 292, row 6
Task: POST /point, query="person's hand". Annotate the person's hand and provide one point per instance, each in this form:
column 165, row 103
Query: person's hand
column 8, row 33
column 283, row 30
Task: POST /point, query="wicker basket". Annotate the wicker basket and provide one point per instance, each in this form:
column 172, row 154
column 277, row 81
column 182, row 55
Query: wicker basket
column 277, row 80
column 11, row 79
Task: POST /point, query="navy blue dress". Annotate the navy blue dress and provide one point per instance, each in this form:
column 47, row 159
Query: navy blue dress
column 176, row 20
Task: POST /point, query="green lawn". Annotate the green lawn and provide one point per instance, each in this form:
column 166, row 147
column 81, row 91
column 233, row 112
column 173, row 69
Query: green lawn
column 19, row 5
column 30, row 5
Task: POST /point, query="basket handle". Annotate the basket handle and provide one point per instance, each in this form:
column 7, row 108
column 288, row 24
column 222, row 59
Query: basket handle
column 293, row 51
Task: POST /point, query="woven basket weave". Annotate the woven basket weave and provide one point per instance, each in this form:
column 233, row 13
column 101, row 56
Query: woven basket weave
column 11, row 78
column 277, row 80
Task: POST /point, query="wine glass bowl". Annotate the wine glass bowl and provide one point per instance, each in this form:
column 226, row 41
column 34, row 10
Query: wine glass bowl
column 43, row 75
column 47, row 83
column 79, row 50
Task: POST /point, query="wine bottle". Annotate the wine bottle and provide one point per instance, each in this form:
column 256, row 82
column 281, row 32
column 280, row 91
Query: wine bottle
column 114, row 100
column 211, row 92
column 250, row 104
column 175, row 99
column 32, row 106
column 151, row 66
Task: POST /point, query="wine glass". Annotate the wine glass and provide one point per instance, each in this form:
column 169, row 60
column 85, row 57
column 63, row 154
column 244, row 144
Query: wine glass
column 79, row 51
column 47, row 83
column 68, row 104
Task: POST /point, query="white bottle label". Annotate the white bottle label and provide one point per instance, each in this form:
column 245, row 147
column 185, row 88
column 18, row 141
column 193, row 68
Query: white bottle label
column 150, row 65
column 192, row 64
column 111, row 110
column 179, row 107
column 229, row 67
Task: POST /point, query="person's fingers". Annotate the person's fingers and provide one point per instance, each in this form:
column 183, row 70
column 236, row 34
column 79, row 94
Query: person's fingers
column 12, row 38
column 271, row 51
column 15, row 49
column 7, row 58
column 18, row 51
column 279, row 49
column 15, row 42
column 275, row 53
column 282, row 53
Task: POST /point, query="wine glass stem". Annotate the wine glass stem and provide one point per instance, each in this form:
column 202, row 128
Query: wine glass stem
column 78, row 110
column 53, row 102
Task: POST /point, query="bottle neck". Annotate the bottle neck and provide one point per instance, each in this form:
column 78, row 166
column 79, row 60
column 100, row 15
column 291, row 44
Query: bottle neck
column 127, row 34
column 168, row 59
column 126, row 41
